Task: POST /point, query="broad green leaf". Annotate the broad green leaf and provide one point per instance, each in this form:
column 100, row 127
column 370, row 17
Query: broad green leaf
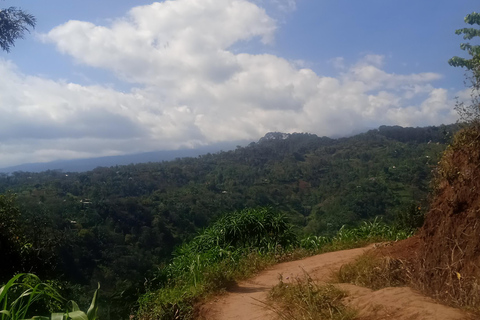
column 57, row 316
column 77, row 315
column 74, row 305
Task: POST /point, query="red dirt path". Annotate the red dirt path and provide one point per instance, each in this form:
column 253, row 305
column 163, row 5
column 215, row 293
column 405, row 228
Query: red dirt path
column 243, row 302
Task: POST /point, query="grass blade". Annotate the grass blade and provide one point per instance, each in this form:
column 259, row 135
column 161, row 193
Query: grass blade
column 92, row 311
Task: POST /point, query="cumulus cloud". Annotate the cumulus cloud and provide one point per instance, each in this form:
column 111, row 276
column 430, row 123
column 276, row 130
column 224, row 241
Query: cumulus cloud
column 189, row 88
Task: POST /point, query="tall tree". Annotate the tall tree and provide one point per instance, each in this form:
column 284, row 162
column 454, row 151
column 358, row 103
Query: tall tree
column 13, row 25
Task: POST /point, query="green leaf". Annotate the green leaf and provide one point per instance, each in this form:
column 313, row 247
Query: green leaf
column 74, row 306
column 77, row 315
column 10, row 283
column 5, row 312
column 92, row 311
column 57, row 316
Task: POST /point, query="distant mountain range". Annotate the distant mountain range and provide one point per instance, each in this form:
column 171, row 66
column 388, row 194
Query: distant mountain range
column 81, row 165
column 398, row 133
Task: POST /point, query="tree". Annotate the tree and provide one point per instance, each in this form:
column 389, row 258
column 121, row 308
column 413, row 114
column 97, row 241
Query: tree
column 11, row 237
column 471, row 112
column 473, row 50
column 13, row 25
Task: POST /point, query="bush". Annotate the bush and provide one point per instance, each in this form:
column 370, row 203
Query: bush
column 234, row 247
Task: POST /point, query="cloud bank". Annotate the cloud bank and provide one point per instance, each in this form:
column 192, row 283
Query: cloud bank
column 189, row 88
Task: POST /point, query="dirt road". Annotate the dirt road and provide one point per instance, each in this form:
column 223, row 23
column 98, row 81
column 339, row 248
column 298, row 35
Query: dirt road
column 242, row 302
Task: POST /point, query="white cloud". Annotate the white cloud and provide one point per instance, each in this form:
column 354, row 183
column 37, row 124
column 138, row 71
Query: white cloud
column 168, row 40
column 190, row 88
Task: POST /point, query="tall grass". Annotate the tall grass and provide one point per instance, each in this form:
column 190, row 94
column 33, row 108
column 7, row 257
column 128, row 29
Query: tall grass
column 346, row 238
column 230, row 239
column 234, row 247
column 24, row 295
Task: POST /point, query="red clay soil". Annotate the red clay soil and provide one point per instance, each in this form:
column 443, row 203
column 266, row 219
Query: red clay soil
column 406, row 250
column 245, row 301
column 399, row 303
column 444, row 258
column 448, row 264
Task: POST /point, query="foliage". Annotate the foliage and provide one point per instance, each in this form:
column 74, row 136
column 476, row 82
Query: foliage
column 233, row 247
column 13, row 25
column 470, row 113
column 25, row 294
column 262, row 230
column 472, row 50
column 346, row 238
column 411, row 218
column 303, row 298
column 13, row 244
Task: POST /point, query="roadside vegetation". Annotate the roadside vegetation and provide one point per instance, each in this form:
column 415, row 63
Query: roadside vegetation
column 348, row 238
column 234, row 248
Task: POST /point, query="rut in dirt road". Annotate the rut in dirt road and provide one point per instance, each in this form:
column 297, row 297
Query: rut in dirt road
column 244, row 301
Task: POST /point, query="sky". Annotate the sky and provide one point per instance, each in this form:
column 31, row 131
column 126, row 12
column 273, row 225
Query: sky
column 101, row 78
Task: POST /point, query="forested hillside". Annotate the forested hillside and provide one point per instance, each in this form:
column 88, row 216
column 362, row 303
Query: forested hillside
column 116, row 225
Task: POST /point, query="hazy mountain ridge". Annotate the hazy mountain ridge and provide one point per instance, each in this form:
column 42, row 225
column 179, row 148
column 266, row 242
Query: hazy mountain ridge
column 81, row 165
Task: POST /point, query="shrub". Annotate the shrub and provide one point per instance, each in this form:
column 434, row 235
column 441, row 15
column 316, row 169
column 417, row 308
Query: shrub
column 234, row 247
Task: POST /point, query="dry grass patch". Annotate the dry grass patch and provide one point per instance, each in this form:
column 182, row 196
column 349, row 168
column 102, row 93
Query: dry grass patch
column 374, row 272
column 303, row 298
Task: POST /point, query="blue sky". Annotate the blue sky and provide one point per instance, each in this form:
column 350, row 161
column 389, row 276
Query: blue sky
column 100, row 78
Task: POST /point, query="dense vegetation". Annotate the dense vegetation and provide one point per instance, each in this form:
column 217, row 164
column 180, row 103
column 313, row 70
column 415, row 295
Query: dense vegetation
column 116, row 225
